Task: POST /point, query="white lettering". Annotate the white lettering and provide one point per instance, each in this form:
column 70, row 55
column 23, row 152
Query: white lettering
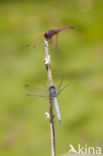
column 85, row 150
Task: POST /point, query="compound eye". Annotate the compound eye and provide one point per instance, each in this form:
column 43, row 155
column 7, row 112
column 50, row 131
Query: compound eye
column 46, row 35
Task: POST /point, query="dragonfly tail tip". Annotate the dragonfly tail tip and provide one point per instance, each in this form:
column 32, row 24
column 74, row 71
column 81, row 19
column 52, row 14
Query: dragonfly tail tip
column 72, row 27
column 59, row 121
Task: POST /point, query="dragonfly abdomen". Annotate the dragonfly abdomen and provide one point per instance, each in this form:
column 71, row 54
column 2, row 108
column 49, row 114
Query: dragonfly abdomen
column 57, row 109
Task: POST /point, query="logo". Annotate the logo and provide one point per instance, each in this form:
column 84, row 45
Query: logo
column 85, row 149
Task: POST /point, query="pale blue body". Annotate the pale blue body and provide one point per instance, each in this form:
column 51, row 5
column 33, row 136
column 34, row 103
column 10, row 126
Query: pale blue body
column 57, row 108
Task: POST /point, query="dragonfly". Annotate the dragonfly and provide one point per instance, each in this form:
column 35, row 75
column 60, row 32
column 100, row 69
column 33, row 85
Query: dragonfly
column 53, row 93
column 49, row 35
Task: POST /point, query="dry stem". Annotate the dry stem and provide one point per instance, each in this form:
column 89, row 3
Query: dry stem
column 50, row 82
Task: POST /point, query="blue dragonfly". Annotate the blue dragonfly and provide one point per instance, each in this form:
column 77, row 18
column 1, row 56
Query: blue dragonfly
column 53, row 93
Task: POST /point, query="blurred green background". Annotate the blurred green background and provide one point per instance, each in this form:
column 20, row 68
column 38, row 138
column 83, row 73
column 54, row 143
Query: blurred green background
column 24, row 129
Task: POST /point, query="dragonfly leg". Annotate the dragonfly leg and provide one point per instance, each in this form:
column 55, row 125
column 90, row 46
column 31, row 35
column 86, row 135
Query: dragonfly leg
column 57, row 42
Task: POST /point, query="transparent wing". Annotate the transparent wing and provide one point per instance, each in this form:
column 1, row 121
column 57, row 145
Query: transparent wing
column 34, row 43
column 34, row 88
column 62, row 89
column 54, row 44
column 36, row 92
column 37, row 96
column 60, row 84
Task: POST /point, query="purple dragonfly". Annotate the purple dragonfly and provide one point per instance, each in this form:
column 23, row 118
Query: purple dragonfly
column 49, row 35
column 53, row 92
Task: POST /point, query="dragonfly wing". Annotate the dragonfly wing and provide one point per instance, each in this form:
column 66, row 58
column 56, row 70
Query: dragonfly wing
column 37, row 92
column 60, row 84
column 57, row 109
column 37, row 96
column 35, row 89
column 53, row 44
column 62, row 89
column 36, row 41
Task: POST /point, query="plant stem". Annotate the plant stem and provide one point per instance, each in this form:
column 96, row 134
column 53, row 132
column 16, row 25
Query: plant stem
column 50, row 82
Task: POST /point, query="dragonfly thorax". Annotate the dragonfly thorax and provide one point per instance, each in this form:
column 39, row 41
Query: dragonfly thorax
column 52, row 91
column 49, row 34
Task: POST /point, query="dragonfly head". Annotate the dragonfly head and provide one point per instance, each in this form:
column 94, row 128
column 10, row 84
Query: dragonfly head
column 46, row 35
column 51, row 87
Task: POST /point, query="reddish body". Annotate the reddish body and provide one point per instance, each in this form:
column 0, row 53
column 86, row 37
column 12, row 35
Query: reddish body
column 51, row 33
